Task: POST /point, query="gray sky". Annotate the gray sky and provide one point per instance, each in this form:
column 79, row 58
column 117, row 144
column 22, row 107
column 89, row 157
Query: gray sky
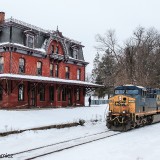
column 83, row 19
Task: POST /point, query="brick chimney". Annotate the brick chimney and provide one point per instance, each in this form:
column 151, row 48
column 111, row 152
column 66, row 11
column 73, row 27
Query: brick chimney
column 2, row 17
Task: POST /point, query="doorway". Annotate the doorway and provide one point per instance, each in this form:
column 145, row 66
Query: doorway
column 32, row 95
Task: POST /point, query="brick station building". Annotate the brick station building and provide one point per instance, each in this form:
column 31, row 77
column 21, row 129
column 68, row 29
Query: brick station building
column 39, row 68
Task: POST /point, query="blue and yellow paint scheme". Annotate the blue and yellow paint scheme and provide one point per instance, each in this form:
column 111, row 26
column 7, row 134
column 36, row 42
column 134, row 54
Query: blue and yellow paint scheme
column 132, row 106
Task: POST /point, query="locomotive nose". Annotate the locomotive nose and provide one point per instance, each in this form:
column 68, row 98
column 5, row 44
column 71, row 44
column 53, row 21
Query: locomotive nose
column 120, row 104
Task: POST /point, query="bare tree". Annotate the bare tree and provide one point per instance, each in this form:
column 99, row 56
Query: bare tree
column 135, row 62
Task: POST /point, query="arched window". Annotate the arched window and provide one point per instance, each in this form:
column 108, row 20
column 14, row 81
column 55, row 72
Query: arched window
column 21, row 65
column 39, row 68
column 78, row 74
column 1, row 64
column 67, row 72
column 52, row 49
column 42, row 92
column 57, row 49
column 51, row 69
column 21, row 92
column 56, row 70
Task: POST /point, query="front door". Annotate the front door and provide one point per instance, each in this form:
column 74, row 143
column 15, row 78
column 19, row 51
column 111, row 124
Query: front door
column 32, row 95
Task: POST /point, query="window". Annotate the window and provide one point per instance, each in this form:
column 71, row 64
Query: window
column 39, row 68
column 51, row 93
column 1, row 64
column 78, row 95
column 52, row 49
column 75, row 53
column 67, row 72
column 64, row 93
column 1, row 93
column 21, row 92
column 51, row 70
column 56, row 70
column 78, row 74
column 21, row 65
column 59, row 94
column 42, row 92
column 30, row 41
column 128, row 92
column 57, row 49
column 119, row 91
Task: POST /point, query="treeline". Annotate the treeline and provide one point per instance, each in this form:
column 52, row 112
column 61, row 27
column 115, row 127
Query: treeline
column 136, row 61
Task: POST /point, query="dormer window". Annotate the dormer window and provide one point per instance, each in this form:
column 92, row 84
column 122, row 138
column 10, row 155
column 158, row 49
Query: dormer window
column 30, row 41
column 75, row 53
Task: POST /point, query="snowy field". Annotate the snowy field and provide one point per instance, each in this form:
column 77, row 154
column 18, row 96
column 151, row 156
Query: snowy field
column 25, row 119
column 138, row 144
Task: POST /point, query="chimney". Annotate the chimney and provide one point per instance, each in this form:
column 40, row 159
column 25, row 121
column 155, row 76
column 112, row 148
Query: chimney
column 2, row 17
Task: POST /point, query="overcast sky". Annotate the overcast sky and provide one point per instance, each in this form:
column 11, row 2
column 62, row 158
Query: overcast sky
column 83, row 19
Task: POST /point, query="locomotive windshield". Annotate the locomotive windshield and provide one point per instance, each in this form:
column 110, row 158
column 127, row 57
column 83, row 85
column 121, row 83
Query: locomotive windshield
column 119, row 91
column 127, row 92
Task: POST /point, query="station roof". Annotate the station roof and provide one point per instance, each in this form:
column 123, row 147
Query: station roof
column 48, row 80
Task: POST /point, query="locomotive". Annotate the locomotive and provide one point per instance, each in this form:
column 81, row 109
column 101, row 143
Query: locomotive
column 132, row 106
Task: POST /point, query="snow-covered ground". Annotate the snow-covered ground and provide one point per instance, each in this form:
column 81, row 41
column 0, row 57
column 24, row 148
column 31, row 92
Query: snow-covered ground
column 32, row 139
column 25, row 119
column 138, row 144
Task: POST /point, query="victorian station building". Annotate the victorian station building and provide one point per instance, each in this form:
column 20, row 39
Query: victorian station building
column 40, row 68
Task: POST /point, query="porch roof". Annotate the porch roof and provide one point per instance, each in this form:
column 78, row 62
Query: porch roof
column 48, row 79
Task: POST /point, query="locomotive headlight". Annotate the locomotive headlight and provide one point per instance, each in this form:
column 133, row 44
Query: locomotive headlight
column 124, row 112
column 120, row 98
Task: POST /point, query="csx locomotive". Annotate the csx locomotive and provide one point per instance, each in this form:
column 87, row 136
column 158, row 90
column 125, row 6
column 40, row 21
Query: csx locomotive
column 132, row 106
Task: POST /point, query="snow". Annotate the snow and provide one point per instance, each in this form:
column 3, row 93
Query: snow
column 138, row 144
column 45, row 137
column 25, row 119
column 42, row 78
column 20, row 45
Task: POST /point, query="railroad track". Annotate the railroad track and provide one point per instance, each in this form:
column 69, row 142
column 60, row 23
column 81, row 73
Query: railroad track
column 60, row 146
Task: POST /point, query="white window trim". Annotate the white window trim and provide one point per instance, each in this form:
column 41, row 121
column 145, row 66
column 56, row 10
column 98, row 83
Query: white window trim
column 27, row 36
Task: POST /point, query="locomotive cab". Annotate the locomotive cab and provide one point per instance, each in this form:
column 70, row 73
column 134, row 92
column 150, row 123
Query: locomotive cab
column 122, row 107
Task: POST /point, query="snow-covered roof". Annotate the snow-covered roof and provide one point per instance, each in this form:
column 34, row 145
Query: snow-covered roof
column 20, row 45
column 48, row 79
